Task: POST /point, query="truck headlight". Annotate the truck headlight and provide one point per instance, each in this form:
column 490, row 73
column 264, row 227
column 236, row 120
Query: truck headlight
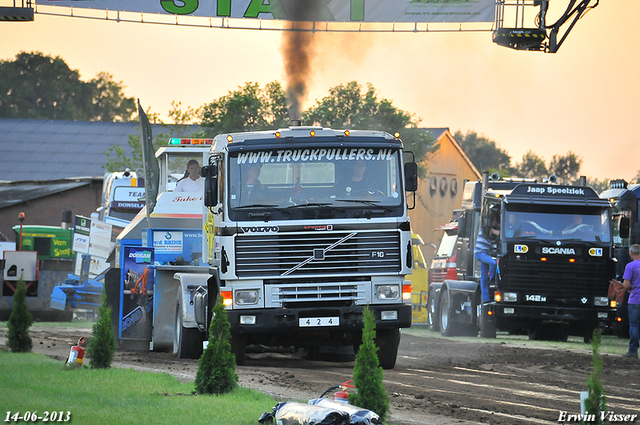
column 247, row 297
column 388, row 292
column 601, row 301
column 510, row 297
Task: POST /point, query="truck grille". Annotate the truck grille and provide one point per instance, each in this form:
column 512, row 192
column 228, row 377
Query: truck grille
column 558, row 280
column 315, row 253
column 310, row 295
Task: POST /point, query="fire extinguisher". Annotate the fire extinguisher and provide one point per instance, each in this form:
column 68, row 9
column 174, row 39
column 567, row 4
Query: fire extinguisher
column 76, row 354
column 342, row 396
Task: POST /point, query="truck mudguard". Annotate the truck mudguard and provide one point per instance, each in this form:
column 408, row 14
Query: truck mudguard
column 188, row 288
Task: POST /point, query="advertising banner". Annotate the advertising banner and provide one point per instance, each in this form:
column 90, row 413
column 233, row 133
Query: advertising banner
column 81, row 232
column 136, row 309
column 307, row 10
column 128, row 198
column 100, row 239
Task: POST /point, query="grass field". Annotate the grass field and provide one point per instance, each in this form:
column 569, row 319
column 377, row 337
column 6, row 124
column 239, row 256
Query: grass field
column 34, row 383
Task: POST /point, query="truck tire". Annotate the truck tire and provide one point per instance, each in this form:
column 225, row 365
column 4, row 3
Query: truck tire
column 187, row 342
column 238, row 348
column 487, row 324
column 387, row 341
column 588, row 333
column 447, row 326
column 432, row 312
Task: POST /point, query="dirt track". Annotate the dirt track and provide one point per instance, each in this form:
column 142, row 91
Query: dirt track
column 436, row 380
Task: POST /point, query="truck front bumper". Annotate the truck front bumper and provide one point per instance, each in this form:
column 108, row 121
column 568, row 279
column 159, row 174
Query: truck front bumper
column 261, row 324
column 552, row 314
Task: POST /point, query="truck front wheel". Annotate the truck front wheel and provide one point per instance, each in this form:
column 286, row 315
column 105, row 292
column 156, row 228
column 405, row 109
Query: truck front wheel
column 238, row 348
column 387, row 341
column 447, row 325
column 487, row 324
column 432, row 312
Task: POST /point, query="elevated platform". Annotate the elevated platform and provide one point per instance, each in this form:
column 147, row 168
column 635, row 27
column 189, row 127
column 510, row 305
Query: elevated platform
column 520, row 38
column 16, row 14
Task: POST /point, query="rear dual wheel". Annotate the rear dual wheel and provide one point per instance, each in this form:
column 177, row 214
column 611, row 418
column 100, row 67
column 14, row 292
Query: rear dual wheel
column 187, row 342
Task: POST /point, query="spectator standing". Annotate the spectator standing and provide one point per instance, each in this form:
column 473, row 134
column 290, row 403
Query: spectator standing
column 631, row 283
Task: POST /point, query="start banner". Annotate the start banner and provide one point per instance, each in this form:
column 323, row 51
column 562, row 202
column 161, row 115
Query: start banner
column 382, row 11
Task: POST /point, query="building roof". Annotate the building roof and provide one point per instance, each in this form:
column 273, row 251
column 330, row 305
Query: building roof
column 17, row 193
column 436, row 132
column 52, row 150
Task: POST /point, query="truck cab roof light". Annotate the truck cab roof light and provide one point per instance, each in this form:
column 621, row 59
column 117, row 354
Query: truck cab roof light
column 230, row 138
column 278, row 134
column 174, row 141
column 347, row 133
column 396, row 135
column 312, row 133
column 618, row 184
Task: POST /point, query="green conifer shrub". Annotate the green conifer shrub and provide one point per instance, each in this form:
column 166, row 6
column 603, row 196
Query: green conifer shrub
column 102, row 346
column 596, row 402
column 367, row 373
column 217, row 366
column 20, row 320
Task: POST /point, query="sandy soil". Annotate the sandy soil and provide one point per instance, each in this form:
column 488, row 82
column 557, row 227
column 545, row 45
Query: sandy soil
column 436, row 380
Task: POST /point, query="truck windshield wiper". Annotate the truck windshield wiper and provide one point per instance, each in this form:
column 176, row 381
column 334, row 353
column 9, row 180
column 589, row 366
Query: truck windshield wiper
column 371, row 203
column 332, row 208
column 581, row 241
column 311, row 204
column 255, row 206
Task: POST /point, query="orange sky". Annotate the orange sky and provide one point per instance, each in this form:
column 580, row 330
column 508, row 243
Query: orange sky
column 585, row 98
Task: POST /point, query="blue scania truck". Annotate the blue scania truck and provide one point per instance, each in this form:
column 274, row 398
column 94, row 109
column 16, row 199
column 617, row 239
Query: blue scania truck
column 554, row 260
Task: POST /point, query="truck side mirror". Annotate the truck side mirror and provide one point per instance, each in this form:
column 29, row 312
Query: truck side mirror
column 210, row 175
column 624, row 227
column 462, row 225
column 411, row 176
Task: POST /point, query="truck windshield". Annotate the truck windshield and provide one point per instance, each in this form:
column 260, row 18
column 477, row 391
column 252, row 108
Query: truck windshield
column 447, row 244
column 579, row 224
column 178, row 169
column 315, row 177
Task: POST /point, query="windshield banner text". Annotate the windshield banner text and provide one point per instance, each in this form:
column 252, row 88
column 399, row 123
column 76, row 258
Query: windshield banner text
column 305, row 155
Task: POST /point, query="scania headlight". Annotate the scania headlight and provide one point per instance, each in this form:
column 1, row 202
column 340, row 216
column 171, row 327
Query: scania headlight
column 388, row 292
column 510, row 297
column 601, row 301
column 247, row 297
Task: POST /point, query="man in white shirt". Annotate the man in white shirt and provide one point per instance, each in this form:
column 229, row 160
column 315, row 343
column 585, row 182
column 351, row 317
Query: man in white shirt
column 191, row 182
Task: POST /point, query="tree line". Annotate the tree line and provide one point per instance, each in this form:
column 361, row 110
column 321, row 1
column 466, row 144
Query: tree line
column 487, row 156
column 37, row 86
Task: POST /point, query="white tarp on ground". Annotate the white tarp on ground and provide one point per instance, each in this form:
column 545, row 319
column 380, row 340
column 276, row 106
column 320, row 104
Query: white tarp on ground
column 304, row 10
